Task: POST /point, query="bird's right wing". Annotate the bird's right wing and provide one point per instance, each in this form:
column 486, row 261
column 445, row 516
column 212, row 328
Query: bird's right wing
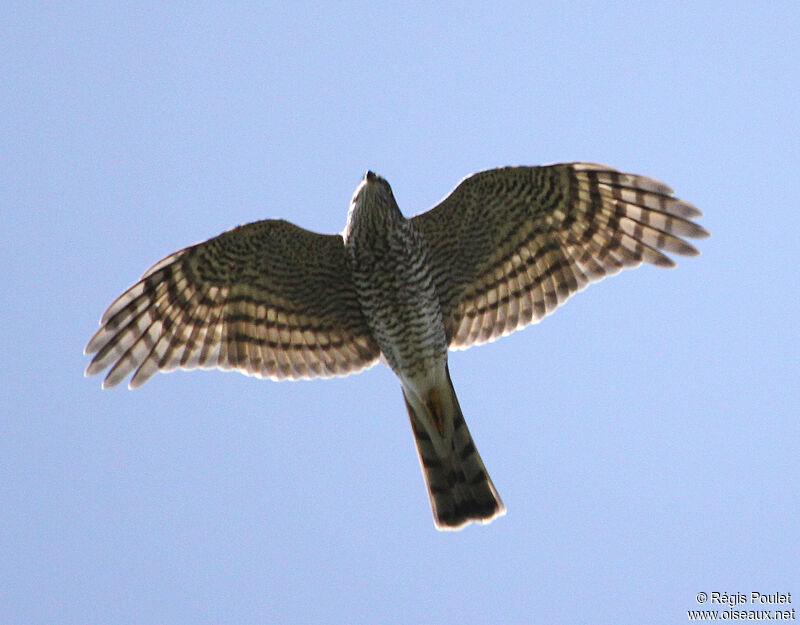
column 269, row 299
column 510, row 245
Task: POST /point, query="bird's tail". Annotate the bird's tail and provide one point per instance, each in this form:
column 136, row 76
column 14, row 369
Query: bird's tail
column 459, row 487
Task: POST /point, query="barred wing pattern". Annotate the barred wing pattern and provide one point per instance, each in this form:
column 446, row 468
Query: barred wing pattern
column 269, row 299
column 510, row 245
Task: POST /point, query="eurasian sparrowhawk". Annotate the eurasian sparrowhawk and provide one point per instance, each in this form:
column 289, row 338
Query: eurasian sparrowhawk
column 503, row 250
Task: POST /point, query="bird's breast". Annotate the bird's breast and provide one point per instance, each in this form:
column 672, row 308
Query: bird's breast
column 393, row 277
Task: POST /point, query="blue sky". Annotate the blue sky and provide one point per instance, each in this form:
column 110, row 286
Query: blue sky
column 644, row 438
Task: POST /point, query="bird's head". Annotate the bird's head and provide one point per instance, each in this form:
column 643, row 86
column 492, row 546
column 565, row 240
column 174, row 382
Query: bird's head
column 372, row 203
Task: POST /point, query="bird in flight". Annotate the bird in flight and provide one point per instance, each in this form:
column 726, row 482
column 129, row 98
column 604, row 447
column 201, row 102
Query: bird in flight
column 504, row 249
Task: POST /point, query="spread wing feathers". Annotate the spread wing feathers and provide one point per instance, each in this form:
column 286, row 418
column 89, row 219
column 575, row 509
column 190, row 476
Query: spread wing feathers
column 510, row 245
column 269, row 299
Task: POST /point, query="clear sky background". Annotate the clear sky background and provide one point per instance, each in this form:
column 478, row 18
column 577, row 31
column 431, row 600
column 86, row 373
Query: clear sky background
column 645, row 438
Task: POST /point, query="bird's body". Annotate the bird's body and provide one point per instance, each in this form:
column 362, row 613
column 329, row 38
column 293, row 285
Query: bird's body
column 393, row 274
column 504, row 249
column 391, row 269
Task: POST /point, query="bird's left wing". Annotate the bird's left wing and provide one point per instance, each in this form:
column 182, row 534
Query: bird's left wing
column 510, row 245
column 269, row 299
